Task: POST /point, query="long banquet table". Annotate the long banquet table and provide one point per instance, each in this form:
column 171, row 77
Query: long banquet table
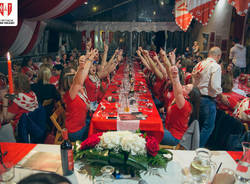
column 18, row 153
column 152, row 124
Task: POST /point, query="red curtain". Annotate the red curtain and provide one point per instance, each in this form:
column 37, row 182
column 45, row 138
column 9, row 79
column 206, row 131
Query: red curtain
column 103, row 36
column 92, row 37
column 110, row 36
column 83, row 40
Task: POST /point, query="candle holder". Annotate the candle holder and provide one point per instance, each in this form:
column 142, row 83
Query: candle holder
column 10, row 96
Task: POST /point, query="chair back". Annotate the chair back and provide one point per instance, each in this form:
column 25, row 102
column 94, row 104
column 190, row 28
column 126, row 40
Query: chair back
column 191, row 138
column 32, row 126
column 58, row 118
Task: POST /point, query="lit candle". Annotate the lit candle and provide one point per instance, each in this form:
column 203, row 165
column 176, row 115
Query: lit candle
column 11, row 89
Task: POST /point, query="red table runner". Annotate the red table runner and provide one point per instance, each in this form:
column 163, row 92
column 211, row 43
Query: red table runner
column 16, row 152
column 236, row 155
column 153, row 123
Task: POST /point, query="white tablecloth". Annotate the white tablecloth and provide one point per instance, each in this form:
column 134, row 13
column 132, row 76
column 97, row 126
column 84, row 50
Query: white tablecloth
column 172, row 174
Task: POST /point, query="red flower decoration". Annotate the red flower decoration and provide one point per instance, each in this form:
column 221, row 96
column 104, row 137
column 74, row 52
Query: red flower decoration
column 152, row 146
column 91, row 141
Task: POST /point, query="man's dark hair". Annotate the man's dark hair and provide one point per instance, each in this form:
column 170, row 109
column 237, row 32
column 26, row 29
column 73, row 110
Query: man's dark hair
column 58, row 67
column 236, row 40
column 44, row 178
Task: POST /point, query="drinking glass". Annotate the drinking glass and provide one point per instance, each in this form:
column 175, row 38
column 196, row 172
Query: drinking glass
column 7, row 172
column 202, row 167
column 106, row 177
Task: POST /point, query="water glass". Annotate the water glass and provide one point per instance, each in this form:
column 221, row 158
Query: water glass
column 106, row 177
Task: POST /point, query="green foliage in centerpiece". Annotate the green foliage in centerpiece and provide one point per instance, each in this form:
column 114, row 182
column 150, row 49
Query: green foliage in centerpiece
column 122, row 149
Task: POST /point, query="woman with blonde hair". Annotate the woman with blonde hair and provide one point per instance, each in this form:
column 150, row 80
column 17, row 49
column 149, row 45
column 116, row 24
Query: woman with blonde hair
column 76, row 99
column 43, row 89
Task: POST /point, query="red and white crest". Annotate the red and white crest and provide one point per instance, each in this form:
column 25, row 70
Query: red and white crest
column 5, row 8
column 182, row 17
column 202, row 10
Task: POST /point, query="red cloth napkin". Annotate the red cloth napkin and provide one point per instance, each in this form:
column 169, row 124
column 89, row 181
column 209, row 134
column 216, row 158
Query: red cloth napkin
column 16, row 152
column 236, row 155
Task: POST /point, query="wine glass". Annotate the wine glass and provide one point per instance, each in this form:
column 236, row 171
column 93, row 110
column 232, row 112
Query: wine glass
column 106, row 177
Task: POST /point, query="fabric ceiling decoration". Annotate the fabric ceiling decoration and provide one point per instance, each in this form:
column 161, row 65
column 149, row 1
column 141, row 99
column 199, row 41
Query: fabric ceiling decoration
column 128, row 26
column 182, row 17
column 22, row 38
column 241, row 6
column 202, row 10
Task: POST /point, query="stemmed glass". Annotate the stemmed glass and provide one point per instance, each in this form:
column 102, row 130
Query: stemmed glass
column 106, row 177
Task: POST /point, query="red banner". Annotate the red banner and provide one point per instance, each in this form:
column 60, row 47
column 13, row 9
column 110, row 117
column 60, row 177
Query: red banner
column 241, row 6
column 202, row 10
column 182, row 17
column 103, row 36
column 92, row 38
column 110, row 36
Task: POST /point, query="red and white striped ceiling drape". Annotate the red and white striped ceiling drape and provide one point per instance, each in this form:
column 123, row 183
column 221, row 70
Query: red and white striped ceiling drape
column 182, row 17
column 202, row 10
column 22, row 38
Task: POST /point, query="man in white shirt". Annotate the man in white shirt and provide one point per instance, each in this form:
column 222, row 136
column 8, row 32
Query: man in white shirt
column 238, row 57
column 207, row 77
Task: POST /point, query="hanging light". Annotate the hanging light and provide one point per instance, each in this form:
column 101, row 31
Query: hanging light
column 94, row 8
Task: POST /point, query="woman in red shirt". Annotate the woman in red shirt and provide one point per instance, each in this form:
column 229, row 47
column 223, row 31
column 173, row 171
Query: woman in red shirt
column 76, row 100
column 183, row 109
column 26, row 101
column 29, row 69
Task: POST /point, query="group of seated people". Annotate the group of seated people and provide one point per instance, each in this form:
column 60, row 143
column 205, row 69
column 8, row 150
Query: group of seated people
column 81, row 82
column 79, row 89
column 178, row 98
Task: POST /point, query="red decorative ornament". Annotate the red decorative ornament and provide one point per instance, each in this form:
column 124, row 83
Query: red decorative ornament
column 152, row 146
column 241, row 6
column 182, row 17
column 202, row 10
column 91, row 141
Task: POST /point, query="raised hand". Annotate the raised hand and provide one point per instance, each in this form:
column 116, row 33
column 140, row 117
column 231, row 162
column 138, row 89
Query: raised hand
column 138, row 52
column 106, row 47
column 89, row 45
column 172, row 57
column 174, row 72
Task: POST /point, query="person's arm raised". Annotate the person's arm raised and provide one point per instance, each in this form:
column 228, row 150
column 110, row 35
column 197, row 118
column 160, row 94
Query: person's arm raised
column 177, row 88
column 81, row 74
column 166, row 63
column 154, row 66
column 105, row 54
column 143, row 60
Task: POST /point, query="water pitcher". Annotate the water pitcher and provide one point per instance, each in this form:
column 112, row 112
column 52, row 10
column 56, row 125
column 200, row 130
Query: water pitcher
column 242, row 174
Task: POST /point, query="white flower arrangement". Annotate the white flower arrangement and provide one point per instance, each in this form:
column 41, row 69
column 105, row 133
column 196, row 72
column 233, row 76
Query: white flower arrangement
column 125, row 140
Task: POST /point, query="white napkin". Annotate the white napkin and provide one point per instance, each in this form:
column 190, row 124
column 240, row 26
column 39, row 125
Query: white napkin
column 128, row 124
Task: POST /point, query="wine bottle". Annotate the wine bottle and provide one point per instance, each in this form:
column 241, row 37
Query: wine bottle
column 67, row 154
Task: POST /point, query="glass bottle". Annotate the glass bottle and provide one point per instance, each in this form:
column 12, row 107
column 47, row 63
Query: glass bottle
column 242, row 174
column 66, row 154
